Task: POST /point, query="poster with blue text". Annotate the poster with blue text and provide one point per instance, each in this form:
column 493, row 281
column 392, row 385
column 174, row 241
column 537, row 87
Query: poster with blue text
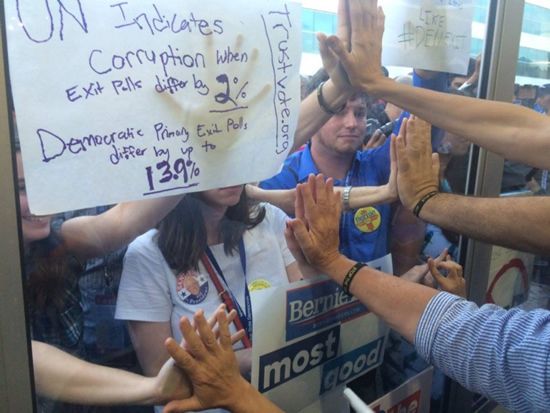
column 125, row 100
column 310, row 338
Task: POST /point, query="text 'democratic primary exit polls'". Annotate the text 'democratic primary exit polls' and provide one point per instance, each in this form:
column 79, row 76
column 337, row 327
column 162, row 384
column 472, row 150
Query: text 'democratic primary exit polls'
column 118, row 101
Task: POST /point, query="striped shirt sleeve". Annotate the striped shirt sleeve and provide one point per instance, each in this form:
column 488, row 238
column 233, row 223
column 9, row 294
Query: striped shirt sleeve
column 502, row 354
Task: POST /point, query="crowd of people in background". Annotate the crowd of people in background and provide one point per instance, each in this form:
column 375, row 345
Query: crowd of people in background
column 366, row 178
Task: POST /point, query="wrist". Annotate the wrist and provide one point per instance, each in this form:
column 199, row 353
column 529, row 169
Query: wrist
column 423, row 200
column 151, row 392
column 336, row 266
column 242, row 397
column 335, row 97
column 379, row 86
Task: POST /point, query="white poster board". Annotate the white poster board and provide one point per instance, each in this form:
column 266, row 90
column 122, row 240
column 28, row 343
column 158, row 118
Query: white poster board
column 128, row 100
column 509, row 277
column 413, row 396
column 310, row 338
column 428, row 34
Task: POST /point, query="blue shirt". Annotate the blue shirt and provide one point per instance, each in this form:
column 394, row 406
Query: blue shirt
column 437, row 84
column 363, row 232
column 502, row 354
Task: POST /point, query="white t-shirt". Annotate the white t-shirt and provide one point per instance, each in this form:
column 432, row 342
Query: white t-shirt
column 150, row 291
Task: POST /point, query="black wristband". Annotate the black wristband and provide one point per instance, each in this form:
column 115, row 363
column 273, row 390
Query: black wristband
column 423, row 200
column 351, row 275
column 323, row 104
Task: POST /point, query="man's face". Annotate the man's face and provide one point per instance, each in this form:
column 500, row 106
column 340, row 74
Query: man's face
column 345, row 131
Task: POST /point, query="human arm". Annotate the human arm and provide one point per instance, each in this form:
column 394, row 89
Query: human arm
column 361, row 196
column 498, row 353
column 91, row 236
column 512, row 131
column 488, row 350
column 281, row 198
column 336, row 90
column 148, row 341
column 491, row 220
column 60, row 376
column 398, row 302
column 213, row 371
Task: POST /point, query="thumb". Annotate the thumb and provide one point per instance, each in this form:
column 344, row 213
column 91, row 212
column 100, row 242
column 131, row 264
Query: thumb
column 339, row 48
column 435, row 272
column 180, row 406
column 300, row 233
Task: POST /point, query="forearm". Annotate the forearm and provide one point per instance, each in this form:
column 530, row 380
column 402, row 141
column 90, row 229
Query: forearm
column 489, row 350
column 398, row 302
column 312, row 117
column 512, row 131
column 61, row 376
column 361, row 196
column 281, row 198
column 251, row 401
column 307, row 271
column 91, row 236
column 520, row 223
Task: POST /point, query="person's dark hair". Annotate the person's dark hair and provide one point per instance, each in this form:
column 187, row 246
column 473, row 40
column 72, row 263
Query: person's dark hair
column 322, row 76
column 182, row 233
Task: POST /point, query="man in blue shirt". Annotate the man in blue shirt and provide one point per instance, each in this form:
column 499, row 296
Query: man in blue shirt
column 335, row 150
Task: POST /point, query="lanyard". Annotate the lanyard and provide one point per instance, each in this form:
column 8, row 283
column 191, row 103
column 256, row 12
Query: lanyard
column 244, row 319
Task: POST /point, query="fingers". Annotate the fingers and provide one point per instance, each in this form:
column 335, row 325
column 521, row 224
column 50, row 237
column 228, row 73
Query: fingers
column 308, row 197
column 442, row 256
column 301, row 233
column 321, row 189
column 299, row 204
column 180, row 406
column 454, row 270
column 230, row 317
column 401, row 148
column 238, row 336
column 181, row 356
column 435, row 272
column 356, row 16
column 377, row 139
column 212, row 319
column 435, row 165
column 225, row 335
column 339, row 49
column 381, row 23
column 393, row 154
column 312, row 186
column 403, row 130
column 328, row 57
column 344, row 28
column 192, row 339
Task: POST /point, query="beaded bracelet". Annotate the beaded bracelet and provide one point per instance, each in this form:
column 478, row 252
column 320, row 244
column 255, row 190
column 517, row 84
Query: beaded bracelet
column 323, row 104
column 423, row 200
column 351, row 275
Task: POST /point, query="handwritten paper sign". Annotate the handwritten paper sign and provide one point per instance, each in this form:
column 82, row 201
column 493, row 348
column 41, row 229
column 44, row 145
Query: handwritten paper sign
column 428, row 34
column 310, row 338
column 124, row 100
